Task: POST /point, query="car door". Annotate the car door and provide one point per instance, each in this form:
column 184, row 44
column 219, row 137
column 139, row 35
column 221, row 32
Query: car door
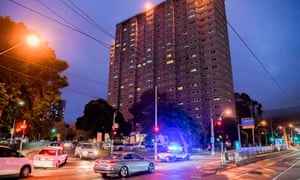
column 9, row 161
column 141, row 164
column 129, row 161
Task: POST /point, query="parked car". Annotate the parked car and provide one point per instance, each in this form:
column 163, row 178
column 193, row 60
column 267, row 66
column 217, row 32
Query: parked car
column 123, row 164
column 50, row 157
column 125, row 147
column 86, row 150
column 14, row 163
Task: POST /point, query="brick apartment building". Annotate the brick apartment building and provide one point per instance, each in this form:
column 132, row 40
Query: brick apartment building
column 182, row 48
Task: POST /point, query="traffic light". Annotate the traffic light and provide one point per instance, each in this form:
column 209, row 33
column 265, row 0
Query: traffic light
column 114, row 133
column 156, row 129
column 219, row 123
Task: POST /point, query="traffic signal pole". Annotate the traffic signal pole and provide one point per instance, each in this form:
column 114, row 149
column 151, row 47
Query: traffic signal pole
column 155, row 125
column 23, row 127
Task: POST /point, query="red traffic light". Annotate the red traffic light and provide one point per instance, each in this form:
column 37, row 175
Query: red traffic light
column 219, row 123
column 156, row 129
column 23, row 126
column 114, row 133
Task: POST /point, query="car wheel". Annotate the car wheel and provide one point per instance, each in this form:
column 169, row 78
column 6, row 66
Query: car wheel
column 104, row 175
column 124, row 171
column 25, row 171
column 151, row 168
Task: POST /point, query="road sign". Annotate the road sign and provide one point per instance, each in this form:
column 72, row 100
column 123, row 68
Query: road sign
column 248, row 123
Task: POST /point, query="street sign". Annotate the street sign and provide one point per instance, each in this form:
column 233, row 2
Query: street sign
column 248, row 123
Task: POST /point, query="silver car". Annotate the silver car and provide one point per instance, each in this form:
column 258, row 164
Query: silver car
column 86, row 150
column 123, row 164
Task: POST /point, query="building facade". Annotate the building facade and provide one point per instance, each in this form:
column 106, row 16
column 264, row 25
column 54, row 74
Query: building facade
column 182, row 48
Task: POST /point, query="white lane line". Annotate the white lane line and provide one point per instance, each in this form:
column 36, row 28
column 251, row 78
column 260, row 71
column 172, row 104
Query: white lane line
column 286, row 170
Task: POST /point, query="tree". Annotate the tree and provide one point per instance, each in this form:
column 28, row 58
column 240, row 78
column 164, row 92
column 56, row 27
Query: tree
column 247, row 107
column 28, row 74
column 98, row 117
column 169, row 116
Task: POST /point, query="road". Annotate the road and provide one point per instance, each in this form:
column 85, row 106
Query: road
column 285, row 166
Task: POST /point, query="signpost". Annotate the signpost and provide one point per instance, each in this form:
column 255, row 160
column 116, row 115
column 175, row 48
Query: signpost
column 248, row 123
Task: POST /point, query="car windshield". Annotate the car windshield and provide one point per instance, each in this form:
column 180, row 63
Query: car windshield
column 113, row 156
column 48, row 152
column 88, row 146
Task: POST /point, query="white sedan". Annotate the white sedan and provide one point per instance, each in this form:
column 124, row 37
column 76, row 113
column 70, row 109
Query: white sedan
column 14, row 163
column 50, row 157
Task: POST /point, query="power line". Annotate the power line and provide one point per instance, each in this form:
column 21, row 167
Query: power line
column 70, row 27
column 256, row 58
column 57, row 14
column 53, row 69
column 43, row 81
column 87, row 18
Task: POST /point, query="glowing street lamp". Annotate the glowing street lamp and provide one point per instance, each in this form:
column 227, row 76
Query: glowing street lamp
column 148, row 6
column 31, row 40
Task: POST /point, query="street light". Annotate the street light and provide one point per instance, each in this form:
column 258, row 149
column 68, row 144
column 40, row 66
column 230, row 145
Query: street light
column 212, row 131
column 31, row 40
column 12, row 131
column 155, row 125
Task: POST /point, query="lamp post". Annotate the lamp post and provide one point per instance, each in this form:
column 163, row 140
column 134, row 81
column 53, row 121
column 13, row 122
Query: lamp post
column 31, row 40
column 291, row 139
column 12, row 131
column 212, row 131
column 155, row 125
column 23, row 127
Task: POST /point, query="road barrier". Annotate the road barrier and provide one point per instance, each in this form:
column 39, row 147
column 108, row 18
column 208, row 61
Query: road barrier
column 246, row 154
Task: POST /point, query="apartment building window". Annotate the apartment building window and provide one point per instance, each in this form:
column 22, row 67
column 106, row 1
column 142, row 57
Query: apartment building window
column 217, row 98
column 214, row 66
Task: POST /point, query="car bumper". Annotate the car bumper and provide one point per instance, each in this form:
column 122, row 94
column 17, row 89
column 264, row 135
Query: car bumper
column 106, row 170
column 44, row 164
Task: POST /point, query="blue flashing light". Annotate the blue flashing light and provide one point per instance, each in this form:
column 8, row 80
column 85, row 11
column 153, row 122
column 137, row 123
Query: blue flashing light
column 175, row 147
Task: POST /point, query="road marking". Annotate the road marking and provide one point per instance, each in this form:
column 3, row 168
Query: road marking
column 286, row 170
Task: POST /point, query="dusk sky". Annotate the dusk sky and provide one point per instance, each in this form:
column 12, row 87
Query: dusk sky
column 267, row 68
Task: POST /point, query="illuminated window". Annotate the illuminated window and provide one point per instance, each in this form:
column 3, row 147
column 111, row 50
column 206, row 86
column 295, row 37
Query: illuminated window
column 192, row 16
column 180, row 88
column 217, row 98
column 138, row 89
column 194, row 70
column 170, row 62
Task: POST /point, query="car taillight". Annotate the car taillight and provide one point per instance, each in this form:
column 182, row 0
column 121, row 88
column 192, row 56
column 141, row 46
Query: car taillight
column 111, row 163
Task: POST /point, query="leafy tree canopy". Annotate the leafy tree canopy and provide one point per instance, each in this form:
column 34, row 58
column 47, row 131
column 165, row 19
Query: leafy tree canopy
column 98, row 117
column 27, row 74
column 169, row 116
